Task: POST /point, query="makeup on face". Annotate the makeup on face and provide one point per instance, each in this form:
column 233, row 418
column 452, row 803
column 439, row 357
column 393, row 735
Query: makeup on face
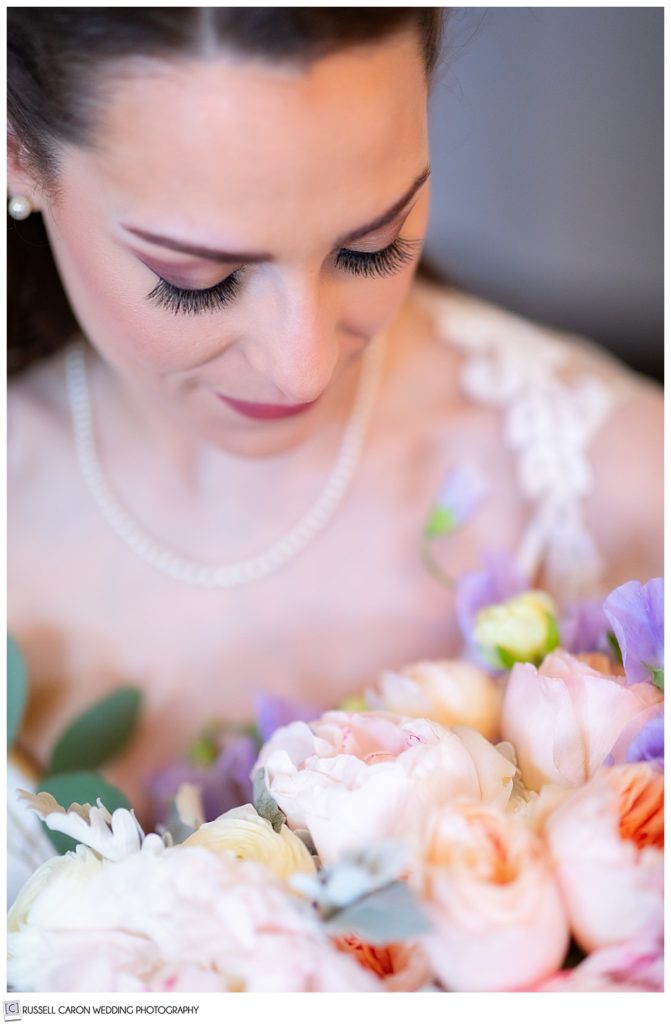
column 159, row 216
column 258, row 411
column 195, row 278
column 203, row 252
column 179, row 273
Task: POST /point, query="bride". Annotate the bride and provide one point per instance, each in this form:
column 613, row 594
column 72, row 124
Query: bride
column 237, row 395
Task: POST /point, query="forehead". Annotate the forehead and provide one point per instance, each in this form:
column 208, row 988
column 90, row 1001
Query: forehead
column 246, row 135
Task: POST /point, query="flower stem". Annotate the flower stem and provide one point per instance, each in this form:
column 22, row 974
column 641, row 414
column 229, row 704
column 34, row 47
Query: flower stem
column 432, row 565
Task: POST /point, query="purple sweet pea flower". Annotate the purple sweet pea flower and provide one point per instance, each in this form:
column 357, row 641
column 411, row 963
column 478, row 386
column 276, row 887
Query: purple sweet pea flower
column 499, row 580
column 462, row 490
column 648, row 745
column 224, row 760
column 274, row 712
column 584, row 628
column 642, row 739
column 224, row 784
column 636, row 615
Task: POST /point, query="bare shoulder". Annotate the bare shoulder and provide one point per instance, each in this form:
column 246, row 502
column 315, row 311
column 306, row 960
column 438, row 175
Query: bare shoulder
column 442, row 425
column 469, row 344
column 624, row 506
column 625, row 510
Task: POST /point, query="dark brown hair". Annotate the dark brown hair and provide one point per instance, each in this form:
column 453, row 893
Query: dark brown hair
column 55, row 61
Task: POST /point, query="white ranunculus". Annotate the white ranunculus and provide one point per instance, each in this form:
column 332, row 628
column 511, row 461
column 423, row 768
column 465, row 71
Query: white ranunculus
column 243, row 833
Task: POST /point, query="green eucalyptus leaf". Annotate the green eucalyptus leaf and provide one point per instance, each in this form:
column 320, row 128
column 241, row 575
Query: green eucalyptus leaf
column 265, row 805
column 390, row 914
column 80, row 788
column 17, row 689
column 97, row 734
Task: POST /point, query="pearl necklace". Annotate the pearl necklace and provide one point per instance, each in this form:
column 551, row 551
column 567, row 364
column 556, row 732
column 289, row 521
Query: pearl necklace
column 198, row 573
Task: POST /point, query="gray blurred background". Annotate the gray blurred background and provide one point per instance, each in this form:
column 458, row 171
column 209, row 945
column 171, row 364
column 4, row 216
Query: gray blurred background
column 547, row 156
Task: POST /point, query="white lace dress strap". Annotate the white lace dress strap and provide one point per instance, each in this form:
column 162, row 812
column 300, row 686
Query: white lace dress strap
column 548, row 422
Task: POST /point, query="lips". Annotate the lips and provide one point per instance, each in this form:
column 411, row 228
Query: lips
column 257, row 411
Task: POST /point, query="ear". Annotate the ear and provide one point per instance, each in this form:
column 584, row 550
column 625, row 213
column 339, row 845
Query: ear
column 21, row 180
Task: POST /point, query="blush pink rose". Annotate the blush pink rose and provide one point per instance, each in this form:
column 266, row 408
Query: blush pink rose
column 487, row 884
column 636, row 966
column 564, row 718
column 350, row 778
column 606, row 840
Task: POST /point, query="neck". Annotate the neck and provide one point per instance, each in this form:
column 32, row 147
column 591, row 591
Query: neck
column 154, row 497
column 127, row 414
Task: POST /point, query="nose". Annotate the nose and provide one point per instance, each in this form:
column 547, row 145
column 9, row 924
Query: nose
column 297, row 350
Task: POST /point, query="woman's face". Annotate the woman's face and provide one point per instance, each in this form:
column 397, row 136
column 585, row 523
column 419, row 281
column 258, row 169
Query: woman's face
column 273, row 174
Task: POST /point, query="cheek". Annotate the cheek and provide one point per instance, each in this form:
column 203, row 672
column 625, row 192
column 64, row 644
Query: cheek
column 107, row 289
column 372, row 302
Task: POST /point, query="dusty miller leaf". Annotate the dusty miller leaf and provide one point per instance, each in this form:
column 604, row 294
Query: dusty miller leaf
column 265, row 805
column 390, row 914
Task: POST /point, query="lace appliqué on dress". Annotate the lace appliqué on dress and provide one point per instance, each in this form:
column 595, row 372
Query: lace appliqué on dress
column 547, row 421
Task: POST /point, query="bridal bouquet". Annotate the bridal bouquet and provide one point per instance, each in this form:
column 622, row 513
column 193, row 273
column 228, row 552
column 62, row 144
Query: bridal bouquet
column 491, row 823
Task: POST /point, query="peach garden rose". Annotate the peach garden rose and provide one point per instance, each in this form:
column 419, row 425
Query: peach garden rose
column 607, row 840
column 450, row 692
column 400, row 966
column 488, row 886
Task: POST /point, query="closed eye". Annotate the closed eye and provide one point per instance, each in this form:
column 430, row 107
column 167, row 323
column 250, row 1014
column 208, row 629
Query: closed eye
column 381, row 263
column 192, row 301
column 195, row 300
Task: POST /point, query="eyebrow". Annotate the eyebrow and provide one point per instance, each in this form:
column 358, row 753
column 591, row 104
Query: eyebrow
column 203, row 252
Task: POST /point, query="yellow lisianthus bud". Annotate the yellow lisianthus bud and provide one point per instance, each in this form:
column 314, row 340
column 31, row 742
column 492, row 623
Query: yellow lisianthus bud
column 523, row 628
column 248, row 836
column 355, row 702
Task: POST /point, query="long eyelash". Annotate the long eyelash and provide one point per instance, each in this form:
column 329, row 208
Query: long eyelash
column 195, row 300
column 379, row 264
column 191, row 301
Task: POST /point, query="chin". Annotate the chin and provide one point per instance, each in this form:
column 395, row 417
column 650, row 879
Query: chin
column 262, row 443
column 261, row 449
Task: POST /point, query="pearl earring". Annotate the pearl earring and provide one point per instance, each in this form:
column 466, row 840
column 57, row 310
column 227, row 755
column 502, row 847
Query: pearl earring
column 19, row 207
